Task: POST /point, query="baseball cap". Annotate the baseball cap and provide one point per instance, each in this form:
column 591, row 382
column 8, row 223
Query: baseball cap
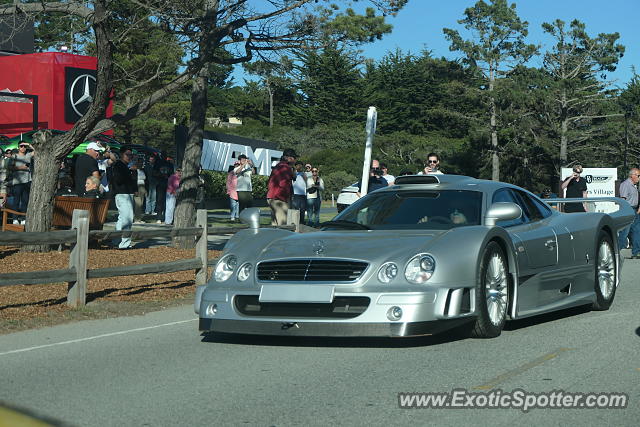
column 289, row 153
column 95, row 146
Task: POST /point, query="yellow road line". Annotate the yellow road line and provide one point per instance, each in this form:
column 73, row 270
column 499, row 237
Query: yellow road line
column 520, row 369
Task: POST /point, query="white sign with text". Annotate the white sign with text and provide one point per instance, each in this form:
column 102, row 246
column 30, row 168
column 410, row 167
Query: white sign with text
column 218, row 156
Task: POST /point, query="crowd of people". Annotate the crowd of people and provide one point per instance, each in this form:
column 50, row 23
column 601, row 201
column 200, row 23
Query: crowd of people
column 291, row 184
column 149, row 184
column 140, row 183
column 296, row 185
column 15, row 178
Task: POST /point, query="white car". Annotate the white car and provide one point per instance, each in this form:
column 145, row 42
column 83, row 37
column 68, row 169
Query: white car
column 347, row 196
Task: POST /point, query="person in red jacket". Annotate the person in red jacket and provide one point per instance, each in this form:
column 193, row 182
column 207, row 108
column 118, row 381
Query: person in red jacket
column 280, row 187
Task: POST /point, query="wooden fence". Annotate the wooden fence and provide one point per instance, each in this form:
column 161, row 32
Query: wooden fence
column 77, row 274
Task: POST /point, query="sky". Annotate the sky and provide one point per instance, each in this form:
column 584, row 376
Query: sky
column 419, row 25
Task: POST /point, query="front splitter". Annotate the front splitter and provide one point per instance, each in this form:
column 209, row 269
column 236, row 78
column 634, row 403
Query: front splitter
column 328, row 329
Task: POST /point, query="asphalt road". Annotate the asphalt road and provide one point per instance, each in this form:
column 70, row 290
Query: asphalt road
column 157, row 370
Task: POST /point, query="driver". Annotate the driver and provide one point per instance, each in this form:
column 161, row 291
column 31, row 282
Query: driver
column 457, row 217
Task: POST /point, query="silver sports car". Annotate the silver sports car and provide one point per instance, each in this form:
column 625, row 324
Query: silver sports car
column 427, row 254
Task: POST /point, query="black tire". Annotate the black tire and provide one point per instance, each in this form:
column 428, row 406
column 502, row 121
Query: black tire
column 486, row 325
column 606, row 263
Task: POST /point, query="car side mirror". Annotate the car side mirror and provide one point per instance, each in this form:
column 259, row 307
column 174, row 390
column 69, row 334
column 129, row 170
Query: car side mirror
column 502, row 211
column 251, row 217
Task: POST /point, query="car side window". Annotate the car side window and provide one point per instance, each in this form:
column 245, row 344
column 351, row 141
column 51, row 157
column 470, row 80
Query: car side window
column 537, row 209
column 530, row 211
column 506, row 195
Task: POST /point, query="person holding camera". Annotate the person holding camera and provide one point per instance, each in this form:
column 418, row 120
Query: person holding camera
column 299, row 200
column 243, row 172
column 575, row 187
column 376, row 179
column 432, row 165
column 315, row 185
column 21, row 167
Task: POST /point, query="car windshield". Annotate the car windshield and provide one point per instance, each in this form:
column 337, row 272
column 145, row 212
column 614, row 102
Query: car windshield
column 430, row 210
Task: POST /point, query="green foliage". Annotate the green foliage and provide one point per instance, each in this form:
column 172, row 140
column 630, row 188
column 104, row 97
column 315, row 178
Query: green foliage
column 499, row 37
column 357, row 28
column 259, row 184
column 576, row 97
column 329, row 82
column 215, row 184
column 335, row 181
column 419, row 94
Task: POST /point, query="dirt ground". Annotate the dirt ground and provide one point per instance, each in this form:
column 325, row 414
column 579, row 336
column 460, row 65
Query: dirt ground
column 32, row 306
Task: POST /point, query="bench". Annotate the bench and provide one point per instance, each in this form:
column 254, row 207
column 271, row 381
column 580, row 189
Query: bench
column 63, row 213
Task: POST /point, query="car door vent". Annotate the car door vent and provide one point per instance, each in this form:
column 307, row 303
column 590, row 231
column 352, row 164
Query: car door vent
column 311, row 270
column 566, row 290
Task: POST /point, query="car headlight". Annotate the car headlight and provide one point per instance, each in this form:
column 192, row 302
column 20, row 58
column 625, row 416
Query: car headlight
column 225, row 267
column 420, row 268
column 387, row 272
column 244, row 271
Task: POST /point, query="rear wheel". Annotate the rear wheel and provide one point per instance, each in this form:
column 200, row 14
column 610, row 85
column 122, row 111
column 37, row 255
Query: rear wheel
column 492, row 293
column 605, row 280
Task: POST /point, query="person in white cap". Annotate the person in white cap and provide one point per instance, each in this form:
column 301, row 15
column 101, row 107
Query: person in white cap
column 87, row 165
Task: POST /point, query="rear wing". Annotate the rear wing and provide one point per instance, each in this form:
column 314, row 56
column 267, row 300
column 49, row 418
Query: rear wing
column 617, row 208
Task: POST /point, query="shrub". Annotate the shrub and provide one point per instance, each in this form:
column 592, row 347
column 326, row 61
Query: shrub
column 336, row 181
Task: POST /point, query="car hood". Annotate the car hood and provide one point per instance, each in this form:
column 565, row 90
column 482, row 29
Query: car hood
column 357, row 245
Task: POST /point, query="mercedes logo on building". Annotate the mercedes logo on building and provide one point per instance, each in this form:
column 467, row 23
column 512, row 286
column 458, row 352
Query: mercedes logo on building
column 81, row 93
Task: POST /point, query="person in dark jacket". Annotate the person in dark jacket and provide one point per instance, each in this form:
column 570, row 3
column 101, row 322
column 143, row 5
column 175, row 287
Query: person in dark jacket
column 123, row 185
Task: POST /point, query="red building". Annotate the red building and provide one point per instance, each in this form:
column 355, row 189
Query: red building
column 64, row 83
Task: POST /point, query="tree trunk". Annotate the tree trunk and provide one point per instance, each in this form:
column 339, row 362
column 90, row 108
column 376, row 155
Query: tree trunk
column 564, row 127
column 43, row 188
column 50, row 151
column 185, row 213
column 495, row 159
column 270, row 107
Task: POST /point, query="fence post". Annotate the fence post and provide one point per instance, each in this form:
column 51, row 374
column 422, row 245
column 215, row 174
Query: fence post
column 201, row 247
column 77, row 293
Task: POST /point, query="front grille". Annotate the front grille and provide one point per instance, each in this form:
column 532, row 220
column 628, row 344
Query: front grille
column 340, row 308
column 311, row 270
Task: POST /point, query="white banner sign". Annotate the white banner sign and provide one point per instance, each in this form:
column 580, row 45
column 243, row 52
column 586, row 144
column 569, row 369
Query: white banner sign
column 218, row 156
column 601, row 182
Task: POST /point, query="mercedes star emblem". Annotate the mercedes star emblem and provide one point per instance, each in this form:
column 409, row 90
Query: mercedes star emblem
column 81, row 93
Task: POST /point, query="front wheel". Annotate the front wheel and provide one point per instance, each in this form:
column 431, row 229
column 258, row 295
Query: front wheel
column 492, row 293
column 605, row 280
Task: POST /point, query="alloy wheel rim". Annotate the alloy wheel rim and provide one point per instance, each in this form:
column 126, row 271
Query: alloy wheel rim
column 606, row 270
column 496, row 289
